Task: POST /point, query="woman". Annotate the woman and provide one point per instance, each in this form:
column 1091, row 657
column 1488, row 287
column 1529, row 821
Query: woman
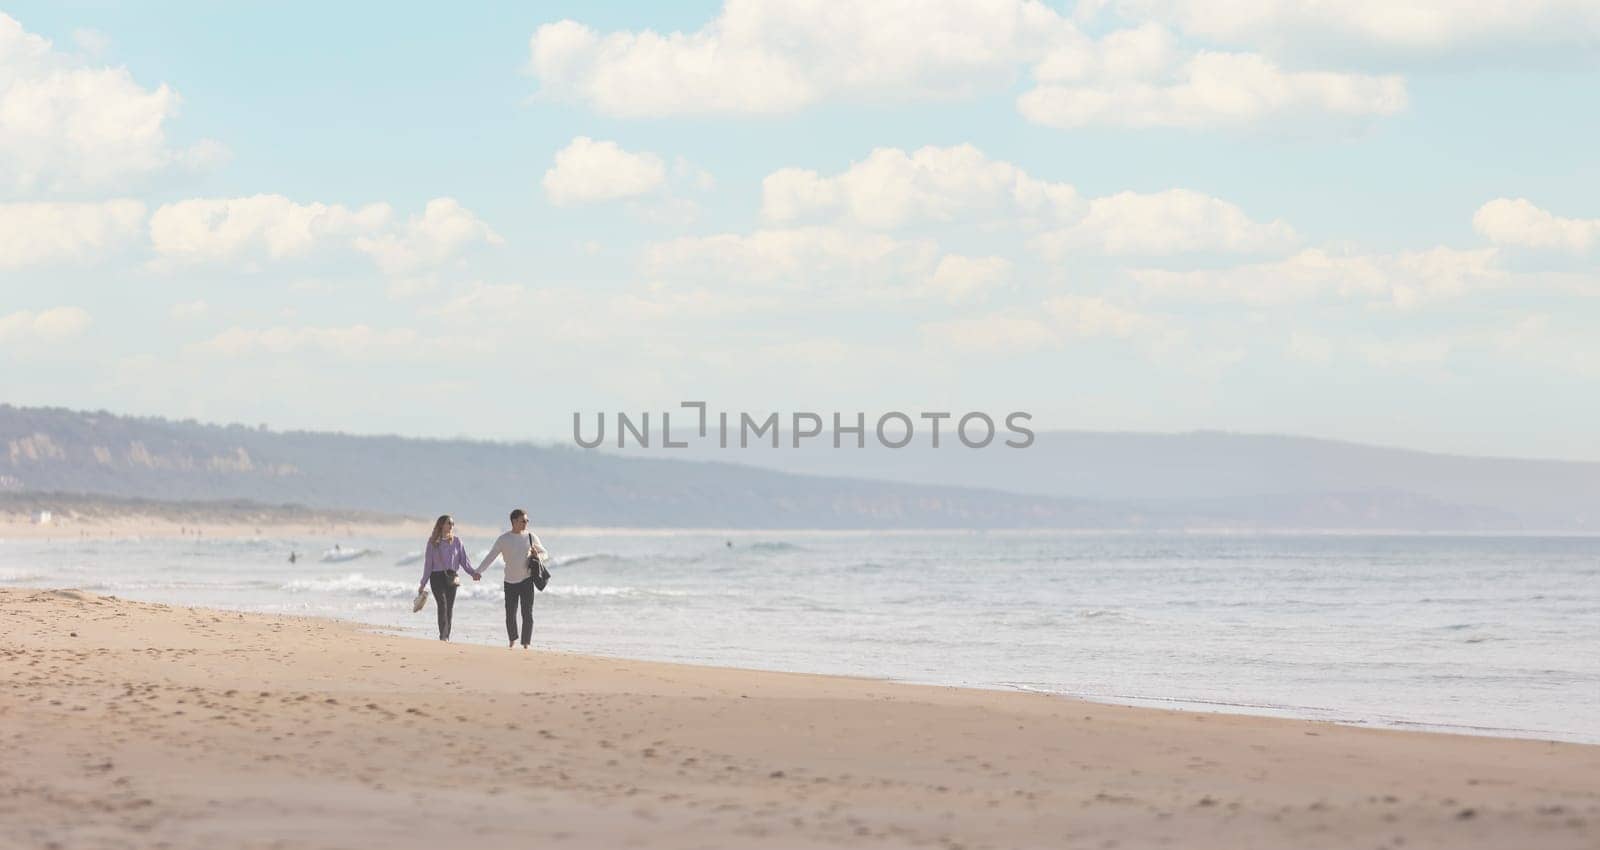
column 443, row 557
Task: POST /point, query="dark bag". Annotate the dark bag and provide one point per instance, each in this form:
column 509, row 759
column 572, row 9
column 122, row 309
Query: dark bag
column 536, row 568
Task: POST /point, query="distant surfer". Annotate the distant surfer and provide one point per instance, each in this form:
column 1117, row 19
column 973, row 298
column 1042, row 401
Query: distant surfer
column 293, row 556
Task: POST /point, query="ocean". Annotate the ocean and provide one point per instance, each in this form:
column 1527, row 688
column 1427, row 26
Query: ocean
column 1482, row 635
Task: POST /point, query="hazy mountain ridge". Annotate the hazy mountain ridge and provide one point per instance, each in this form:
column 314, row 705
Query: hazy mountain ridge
column 1217, row 473
column 48, row 449
column 99, row 453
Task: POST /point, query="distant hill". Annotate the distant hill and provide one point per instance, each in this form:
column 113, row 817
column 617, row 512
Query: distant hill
column 55, row 450
column 1105, row 482
column 1264, row 478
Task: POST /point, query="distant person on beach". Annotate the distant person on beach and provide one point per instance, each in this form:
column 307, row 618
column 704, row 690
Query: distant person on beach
column 443, row 557
column 514, row 547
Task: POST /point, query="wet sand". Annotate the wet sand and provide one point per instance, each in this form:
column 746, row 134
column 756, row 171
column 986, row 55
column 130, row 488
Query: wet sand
column 137, row 725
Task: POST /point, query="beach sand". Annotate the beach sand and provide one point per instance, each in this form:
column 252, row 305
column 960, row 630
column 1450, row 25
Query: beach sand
column 137, row 725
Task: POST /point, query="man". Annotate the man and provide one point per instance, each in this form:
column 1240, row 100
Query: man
column 514, row 547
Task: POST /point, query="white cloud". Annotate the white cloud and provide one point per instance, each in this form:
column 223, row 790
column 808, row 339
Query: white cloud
column 1058, row 320
column 823, row 261
column 1550, row 344
column 766, row 56
column 1090, row 316
column 671, row 305
column 692, row 175
column 77, row 233
column 1392, row 29
column 655, row 312
column 260, row 228
column 1176, row 221
column 1545, row 342
column 1403, row 280
column 1388, row 354
column 354, row 341
column 996, row 334
column 189, row 310
column 814, row 257
column 1518, row 222
column 270, row 226
column 54, row 325
column 960, row 278
column 444, row 229
column 892, row 188
column 65, row 126
column 587, row 170
column 1141, row 78
column 771, row 56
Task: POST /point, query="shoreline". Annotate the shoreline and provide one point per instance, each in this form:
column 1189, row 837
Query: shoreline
column 1168, row 703
column 1175, row 705
column 1172, row 705
column 133, row 724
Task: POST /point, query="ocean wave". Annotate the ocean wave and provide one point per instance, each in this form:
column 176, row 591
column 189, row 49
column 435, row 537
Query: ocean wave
column 338, row 556
column 120, row 586
column 773, row 546
column 360, row 585
column 569, row 560
column 409, row 560
column 580, row 590
column 355, row 584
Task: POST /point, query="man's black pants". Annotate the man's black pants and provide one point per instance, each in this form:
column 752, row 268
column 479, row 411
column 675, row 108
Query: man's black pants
column 519, row 595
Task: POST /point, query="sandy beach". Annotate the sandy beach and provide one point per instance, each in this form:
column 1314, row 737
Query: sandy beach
column 130, row 724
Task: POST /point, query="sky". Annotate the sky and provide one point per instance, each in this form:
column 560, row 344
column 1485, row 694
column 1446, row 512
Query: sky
column 1376, row 220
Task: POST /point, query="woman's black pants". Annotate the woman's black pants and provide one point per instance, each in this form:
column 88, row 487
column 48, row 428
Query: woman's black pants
column 444, row 595
column 519, row 595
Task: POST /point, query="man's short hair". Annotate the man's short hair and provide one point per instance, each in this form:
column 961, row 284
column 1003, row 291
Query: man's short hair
column 518, row 514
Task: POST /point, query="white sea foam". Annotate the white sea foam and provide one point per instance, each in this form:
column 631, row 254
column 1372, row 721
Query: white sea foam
column 341, row 555
column 354, row 584
column 615, row 590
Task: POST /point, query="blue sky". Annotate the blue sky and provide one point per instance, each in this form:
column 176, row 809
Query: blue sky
column 1143, row 215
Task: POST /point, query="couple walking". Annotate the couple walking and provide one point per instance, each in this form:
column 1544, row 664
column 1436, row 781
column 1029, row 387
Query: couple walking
column 446, row 554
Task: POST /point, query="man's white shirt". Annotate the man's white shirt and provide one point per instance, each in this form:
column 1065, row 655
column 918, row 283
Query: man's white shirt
column 514, row 549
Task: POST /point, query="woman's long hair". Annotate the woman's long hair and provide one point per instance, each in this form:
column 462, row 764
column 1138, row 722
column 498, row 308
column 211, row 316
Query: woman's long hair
column 438, row 529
